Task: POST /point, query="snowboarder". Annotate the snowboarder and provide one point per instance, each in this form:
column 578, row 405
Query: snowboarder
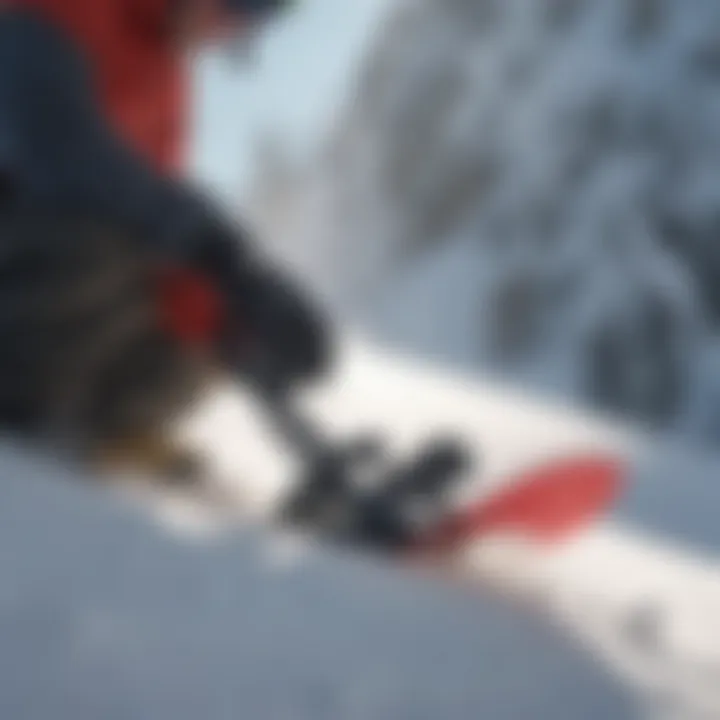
column 123, row 289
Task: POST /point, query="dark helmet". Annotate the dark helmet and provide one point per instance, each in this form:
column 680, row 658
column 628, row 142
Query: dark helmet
column 256, row 13
column 233, row 24
column 253, row 8
column 256, row 10
column 246, row 11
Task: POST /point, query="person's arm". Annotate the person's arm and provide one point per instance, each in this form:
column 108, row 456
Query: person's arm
column 60, row 153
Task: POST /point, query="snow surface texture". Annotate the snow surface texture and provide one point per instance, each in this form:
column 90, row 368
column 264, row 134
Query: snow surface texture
column 640, row 590
column 531, row 187
column 105, row 615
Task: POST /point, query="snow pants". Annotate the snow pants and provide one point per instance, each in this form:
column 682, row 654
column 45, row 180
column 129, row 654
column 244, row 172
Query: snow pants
column 85, row 359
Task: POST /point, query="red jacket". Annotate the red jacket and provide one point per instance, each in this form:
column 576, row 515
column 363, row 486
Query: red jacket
column 139, row 73
column 140, row 79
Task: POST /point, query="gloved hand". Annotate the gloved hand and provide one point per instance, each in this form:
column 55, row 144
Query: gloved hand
column 271, row 330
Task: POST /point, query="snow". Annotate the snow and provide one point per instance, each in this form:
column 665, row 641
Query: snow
column 106, row 613
column 654, row 556
column 109, row 610
column 526, row 191
column 512, row 184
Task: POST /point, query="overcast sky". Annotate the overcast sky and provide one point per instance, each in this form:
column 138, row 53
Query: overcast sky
column 298, row 75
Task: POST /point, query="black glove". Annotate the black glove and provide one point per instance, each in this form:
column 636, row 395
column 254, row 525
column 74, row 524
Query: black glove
column 272, row 331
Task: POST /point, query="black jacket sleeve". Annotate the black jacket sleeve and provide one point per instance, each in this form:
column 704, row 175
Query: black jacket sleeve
column 59, row 153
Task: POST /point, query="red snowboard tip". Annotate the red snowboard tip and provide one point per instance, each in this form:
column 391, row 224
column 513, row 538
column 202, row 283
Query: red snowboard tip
column 546, row 504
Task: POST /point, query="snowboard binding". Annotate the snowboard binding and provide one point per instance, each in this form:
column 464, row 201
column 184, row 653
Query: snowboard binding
column 353, row 495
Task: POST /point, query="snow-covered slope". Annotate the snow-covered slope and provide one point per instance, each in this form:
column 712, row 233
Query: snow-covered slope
column 641, row 587
column 531, row 187
column 104, row 614
column 107, row 614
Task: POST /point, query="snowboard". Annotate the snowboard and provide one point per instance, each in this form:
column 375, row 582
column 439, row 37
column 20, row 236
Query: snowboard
column 359, row 494
column 546, row 503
